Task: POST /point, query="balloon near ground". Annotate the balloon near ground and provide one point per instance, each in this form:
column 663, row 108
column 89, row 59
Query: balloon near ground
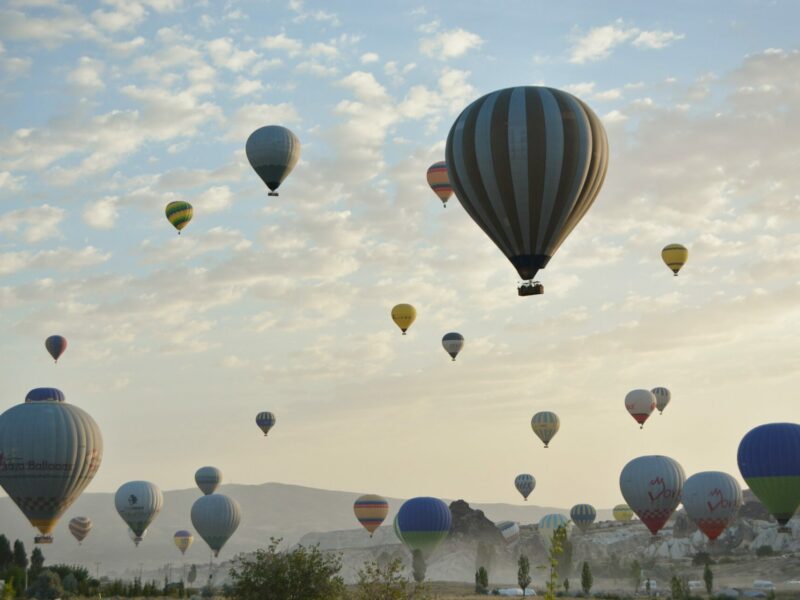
column 216, row 518
column 548, row 525
column 179, row 214
column 55, row 345
column 712, row 500
column 49, row 453
column 265, row 421
column 526, row 163
column 583, row 515
column 404, row 316
column 453, row 343
column 80, row 527
column 640, row 404
column 525, row 483
column 273, row 151
column 439, row 181
column 663, row 396
column 510, row 532
column 138, row 503
column 652, row 487
column 423, row 523
column 183, row 540
column 622, row 512
column 208, row 479
column 675, row 256
column 769, row 461
column 545, row 425
column 371, row 510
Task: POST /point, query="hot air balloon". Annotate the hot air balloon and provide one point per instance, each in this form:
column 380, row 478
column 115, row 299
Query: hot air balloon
column 273, row 151
column 265, row 421
column 545, row 425
column 183, row 540
column 423, row 523
column 439, row 182
column 525, row 484
column 510, row 532
column 404, row 315
column 370, row 511
column 208, row 479
column 55, row 345
column 712, row 500
column 675, row 256
column 548, row 525
column 136, row 538
column 652, row 486
column 526, row 163
column 216, row 517
column 583, row 515
column 663, row 396
column 49, row 453
column 179, row 213
column 80, row 527
column 769, row 461
column 138, row 503
column 622, row 512
column 453, row 343
column 641, row 404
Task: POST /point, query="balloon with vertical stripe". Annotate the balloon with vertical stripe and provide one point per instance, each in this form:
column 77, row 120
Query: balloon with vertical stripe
column 55, row 346
column 545, row 425
column 622, row 512
column 526, row 163
column 273, row 151
column 652, row 487
column 80, row 527
column 583, row 515
column 663, row 396
column 525, row 483
column 208, row 479
column 510, row 532
column 371, row 510
column 216, row 518
column 265, row 421
column 548, row 525
column 439, row 181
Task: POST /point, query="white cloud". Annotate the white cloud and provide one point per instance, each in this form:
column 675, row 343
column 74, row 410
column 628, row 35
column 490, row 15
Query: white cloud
column 102, row 214
column 656, row 39
column 369, row 57
column 245, row 87
column 59, row 259
column 450, row 44
column 599, row 42
column 282, row 42
column 126, row 14
column 215, row 199
column 87, row 76
column 35, row 224
column 252, row 116
column 225, row 54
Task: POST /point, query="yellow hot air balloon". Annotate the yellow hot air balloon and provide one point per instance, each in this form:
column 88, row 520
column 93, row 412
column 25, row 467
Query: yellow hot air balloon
column 675, row 256
column 179, row 213
column 622, row 512
column 545, row 425
column 371, row 510
column 404, row 315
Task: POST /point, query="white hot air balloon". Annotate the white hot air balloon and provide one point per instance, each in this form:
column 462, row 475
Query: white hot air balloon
column 216, row 517
column 663, row 396
column 208, row 479
column 652, row 487
column 138, row 503
column 640, row 404
column 510, row 532
column 712, row 500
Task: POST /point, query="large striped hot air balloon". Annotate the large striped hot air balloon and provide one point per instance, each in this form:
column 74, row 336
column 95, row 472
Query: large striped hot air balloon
column 769, row 460
column 403, row 316
column 663, row 396
column 216, row 517
column 55, row 345
column 183, row 540
column 179, row 213
column 80, row 527
column 49, row 453
column 622, row 512
column 138, row 503
column 548, row 525
column 371, row 510
column 273, row 151
column 545, row 425
column 208, row 479
column 712, row 500
column 652, row 487
column 640, row 404
column 527, row 163
column 583, row 515
column 510, row 532
column 675, row 256
column 265, row 421
column 525, row 483
column 439, row 182
column 453, row 343
column 423, row 523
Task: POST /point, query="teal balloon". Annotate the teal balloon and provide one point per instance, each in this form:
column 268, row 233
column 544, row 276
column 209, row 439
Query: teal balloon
column 216, row 517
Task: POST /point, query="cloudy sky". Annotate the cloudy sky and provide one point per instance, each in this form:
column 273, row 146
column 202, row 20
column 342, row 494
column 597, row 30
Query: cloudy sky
column 111, row 109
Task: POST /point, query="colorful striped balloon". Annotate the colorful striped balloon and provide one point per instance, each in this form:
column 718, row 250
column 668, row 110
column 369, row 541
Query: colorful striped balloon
column 80, row 527
column 55, row 345
column 183, row 540
column 622, row 512
column 525, row 483
column 439, row 181
column 545, row 425
column 179, row 213
column 371, row 510
column 423, row 523
column 583, row 515
column 548, row 525
column 265, row 421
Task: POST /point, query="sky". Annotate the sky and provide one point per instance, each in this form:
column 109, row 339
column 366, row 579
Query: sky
column 109, row 110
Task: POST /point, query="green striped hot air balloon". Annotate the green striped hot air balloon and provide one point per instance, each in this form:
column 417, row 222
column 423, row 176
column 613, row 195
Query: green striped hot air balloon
column 179, row 213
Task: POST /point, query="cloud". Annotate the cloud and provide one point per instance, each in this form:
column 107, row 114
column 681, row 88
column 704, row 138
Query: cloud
column 34, row 224
column 245, row 87
column 369, row 58
column 59, row 259
column 284, row 43
column 656, row 39
column 124, row 16
column 250, row 117
column 599, row 42
column 450, row 44
column 87, row 76
column 225, row 54
column 102, row 214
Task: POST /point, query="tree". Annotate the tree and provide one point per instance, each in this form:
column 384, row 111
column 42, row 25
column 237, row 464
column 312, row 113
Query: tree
column 636, row 575
column 418, row 566
column 47, row 586
column 679, row 590
column 300, row 573
column 566, row 586
column 764, row 550
column 708, row 577
column 556, row 548
column 70, row 583
column 37, row 561
column 481, row 581
column 7, row 593
column 523, row 572
column 20, row 556
column 586, row 579
column 382, row 582
column 192, row 574
column 484, row 556
column 6, row 556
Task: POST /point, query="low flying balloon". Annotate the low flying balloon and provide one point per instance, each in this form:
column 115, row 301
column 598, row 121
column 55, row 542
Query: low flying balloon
column 583, row 515
column 652, row 487
column 216, row 517
column 640, row 404
column 525, row 483
column 136, row 538
column 510, row 532
column 527, row 163
column 49, row 453
column 423, row 523
column 80, row 527
column 404, row 315
column 138, row 503
column 769, row 461
column 265, row 421
column 453, row 343
column 545, row 425
column 183, row 540
column 371, row 510
column 548, row 525
column 439, row 182
column 663, row 396
column 675, row 256
column 273, row 151
column 712, row 500
column 179, row 213
column 208, row 479
column 622, row 512
column 55, row 345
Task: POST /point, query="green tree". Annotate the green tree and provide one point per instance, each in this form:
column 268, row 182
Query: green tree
column 614, row 566
column 764, row 551
column 523, row 572
column 586, row 579
column 303, row 573
column 635, row 574
column 20, row 556
column 708, row 578
column 7, row 593
column 418, row 566
column 481, row 581
column 192, row 576
column 37, row 561
column 382, row 582
column 556, row 548
column 6, row 556
column 70, row 583
column 17, row 575
column 566, row 586
column 678, row 589
column 47, row 586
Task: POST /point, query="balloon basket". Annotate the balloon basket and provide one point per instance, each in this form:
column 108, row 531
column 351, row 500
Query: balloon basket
column 530, row 288
column 43, row 539
column 272, row 194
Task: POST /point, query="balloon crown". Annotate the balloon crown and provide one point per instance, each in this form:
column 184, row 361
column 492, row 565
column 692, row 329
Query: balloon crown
column 45, row 395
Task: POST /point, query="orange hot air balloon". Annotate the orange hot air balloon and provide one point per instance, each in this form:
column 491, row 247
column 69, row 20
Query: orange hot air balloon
column 370, row 511
column 440, row 182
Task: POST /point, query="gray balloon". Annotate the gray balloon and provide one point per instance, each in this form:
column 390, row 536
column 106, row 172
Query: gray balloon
column 273, row 151
column 216, row 517
column 208, row 479
column 49, row 453
column 138, row 503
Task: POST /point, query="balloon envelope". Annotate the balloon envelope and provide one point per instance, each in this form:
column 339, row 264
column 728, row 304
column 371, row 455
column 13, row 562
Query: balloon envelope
column 453, row 343
column 208, row 479
column 49, row 453
column 640, row 404
column 525, row 483
column 545, row 425
column 179, row 214
column 216, row 517
column 423, row 523
column 712, row 500
column 138, row 503
column 265, row 421
column 439, row 181
column 663, row 396
column 675, row 256
column 510, row 532
column 548, row 525
column 583, row 515
column 80, row 527
column 404, row 315
column 371, row 510
column 769, row 460
column 622, row 512
column 652, row 487
column 55, row 345
column 183, row 540
column 273, row 151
